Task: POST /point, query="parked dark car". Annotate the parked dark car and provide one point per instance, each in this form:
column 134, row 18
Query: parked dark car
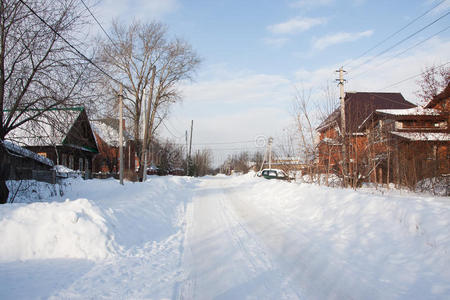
column 273, row 174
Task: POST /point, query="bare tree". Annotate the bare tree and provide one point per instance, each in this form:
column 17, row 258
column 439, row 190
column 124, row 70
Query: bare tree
column 238, row 162
column 305, row 125
column 328, row 103
column 38, row 70
column 433, row 81
column 202, row 163
column 143, row 57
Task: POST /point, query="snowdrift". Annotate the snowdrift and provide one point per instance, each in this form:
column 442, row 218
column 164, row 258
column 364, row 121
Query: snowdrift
column 352, row 244
column 95, row 219
column 71, row 229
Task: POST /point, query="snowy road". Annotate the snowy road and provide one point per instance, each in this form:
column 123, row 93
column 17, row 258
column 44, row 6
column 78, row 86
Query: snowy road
column 225, row 238
column 226, row 260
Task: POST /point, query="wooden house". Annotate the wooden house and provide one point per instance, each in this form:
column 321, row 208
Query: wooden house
column 408, row 145
column 107, row 136
column 63, row 135
column 358, row 106
column 25, row 164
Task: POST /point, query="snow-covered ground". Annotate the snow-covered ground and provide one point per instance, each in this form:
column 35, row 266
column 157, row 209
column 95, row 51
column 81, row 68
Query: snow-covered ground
column 224, row 238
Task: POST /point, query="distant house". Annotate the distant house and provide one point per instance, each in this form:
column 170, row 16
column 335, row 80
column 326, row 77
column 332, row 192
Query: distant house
column 286, row 164
column 25, row 164
column 63, row 135
column 407, row 145
column 107, row 136
column 358, row 106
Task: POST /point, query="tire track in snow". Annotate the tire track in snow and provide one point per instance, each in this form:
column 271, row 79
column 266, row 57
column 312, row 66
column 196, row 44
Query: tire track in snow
column 224, row 259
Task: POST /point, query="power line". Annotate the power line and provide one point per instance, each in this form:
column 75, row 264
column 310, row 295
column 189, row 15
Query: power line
column 398, row 31
column 174, row 128
column 404, row 51
column 114, row 44
column 403, row 40
column 165, row 126
column 68, row 43
column 96, row 20
column 411, row 77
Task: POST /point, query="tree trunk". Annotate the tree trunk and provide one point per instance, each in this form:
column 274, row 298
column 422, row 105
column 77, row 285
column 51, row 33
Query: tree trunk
column 4, row 174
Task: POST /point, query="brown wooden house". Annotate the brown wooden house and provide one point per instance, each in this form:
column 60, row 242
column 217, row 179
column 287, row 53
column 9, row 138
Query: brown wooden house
column 25, row 164
column 63, row 135
column 107, row 136
column 408, row 145
column 358, row 106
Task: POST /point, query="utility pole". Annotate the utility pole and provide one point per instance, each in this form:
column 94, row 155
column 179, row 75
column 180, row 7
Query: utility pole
column 341, row 81
column 270, row 152
column 187, row 156
column 144, row 143
column 190, row 145
column 121, row 134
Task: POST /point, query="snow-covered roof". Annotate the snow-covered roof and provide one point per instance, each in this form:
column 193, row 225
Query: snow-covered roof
column 50, row 128
column 107, row 132
column 26, row 153
column 415, row 111
column 62, row 169
column 330, row 141
column 424, row 136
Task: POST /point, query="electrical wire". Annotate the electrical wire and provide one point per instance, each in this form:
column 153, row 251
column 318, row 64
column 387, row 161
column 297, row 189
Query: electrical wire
column 171, row 133
column 96, row 20
column 409, row 78
column 114, row 44
column 398, row 31
column 398, row 54
column 68, row 43
column 402, row 41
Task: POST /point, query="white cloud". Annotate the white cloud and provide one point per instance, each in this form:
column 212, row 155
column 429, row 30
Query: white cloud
column 275, row 42
column 444, row 6
column 311, row 3
column 376, row 75
column 145, row 10
column 229, row 105
column 340, row 37
column 296, row 25
column 238, row 87
column 247, row 125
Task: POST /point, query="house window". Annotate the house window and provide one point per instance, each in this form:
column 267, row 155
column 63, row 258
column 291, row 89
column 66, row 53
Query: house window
column 80, row 164
column 86, row 164
column 43, row 154
column 64, row 159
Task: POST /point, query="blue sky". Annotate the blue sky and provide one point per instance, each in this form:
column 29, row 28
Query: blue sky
column 256, row 52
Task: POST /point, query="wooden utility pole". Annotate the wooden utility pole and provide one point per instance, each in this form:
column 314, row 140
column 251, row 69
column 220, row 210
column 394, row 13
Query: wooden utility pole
column 190, row 146
column 341, row 81
column 187, row 155
column 270, row 152
column 121, row 134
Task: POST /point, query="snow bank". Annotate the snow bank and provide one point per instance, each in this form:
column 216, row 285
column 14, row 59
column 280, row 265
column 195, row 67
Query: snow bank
column 71, row 229
column 94, row 219
column 352, row 244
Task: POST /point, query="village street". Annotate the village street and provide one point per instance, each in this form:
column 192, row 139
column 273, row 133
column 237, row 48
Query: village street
column 226, row 259
column 224, row 238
